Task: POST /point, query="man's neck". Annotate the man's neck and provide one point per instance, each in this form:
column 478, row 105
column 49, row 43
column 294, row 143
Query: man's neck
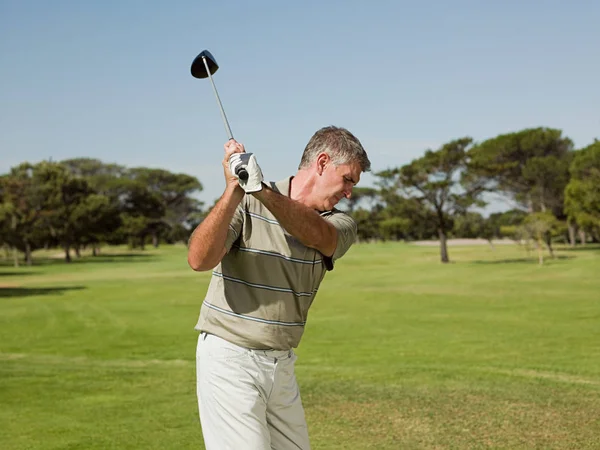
column 302, row 186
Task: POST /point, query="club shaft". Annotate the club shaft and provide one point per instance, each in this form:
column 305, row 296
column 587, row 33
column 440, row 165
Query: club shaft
column 225, row 122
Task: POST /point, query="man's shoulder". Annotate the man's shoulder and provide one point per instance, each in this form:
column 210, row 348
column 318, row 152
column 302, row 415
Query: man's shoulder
column 342, row 222
column 337, row 214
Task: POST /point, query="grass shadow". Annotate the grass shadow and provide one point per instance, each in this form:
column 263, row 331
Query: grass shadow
column 582, row 248
column 114, row 257
column 99, row 259
column 524, row 260
column 9, row 292
column 15, row 273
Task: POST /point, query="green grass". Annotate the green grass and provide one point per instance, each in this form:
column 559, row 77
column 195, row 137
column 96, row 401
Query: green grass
column 400, row 351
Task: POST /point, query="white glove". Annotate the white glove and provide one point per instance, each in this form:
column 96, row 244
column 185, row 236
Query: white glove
column 247, row 161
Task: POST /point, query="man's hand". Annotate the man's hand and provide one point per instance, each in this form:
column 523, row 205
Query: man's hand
column 255, row 176
column 231, row 147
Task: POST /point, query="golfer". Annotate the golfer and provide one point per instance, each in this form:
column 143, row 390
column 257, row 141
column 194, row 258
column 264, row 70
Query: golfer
column 269, row 246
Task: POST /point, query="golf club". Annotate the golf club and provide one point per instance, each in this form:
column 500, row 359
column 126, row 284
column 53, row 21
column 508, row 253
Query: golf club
column 204, row 66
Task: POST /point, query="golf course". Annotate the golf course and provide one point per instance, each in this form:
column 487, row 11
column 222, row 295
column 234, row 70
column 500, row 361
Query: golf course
column 400, row 351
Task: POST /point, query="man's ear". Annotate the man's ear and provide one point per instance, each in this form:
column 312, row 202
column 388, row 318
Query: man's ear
column 322, row 161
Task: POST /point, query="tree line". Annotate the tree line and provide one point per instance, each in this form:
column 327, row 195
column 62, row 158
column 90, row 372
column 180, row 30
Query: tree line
column 555, row 190
column 84, row 202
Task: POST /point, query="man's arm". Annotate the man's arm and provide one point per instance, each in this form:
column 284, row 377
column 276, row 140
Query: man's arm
column 302, row 222
column 207, row 243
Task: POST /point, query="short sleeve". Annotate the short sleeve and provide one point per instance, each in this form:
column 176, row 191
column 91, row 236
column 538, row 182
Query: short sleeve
column 236, row 224
column 346, row 234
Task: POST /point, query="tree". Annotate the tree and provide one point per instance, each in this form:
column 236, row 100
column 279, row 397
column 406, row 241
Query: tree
column 109, row 181
column 174, row 192
column 141, row 212
column 365, row 195
column 438, row 180
column 84, row 201
column 419, row 220
column 99, row 175
column 95, row 218
column 582, row 194
column 535, row 227
column 71, row 204
column 368, row 224
column 505, row 224
column 394, row 228
column 151, row 201
column 23, row 207
column 468, row 225
column 530, row 166
column 473, row 225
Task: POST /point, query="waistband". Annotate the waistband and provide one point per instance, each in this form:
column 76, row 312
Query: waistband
column 269, row 353
column 277, row 354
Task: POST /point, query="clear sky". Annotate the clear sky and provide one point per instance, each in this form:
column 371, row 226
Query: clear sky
column 110, row 79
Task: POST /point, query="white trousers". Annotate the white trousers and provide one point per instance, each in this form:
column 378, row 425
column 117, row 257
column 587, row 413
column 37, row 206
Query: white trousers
column 248, row 399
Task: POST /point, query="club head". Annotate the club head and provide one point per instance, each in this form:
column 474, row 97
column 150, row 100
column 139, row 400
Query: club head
column 199, row 69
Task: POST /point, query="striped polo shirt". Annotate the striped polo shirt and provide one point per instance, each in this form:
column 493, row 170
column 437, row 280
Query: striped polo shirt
column 260, row 292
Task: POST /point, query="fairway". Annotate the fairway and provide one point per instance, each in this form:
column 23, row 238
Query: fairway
column 400, row 351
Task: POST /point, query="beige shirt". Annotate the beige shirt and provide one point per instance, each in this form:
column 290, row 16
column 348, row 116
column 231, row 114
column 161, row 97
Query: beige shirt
column 260, row 293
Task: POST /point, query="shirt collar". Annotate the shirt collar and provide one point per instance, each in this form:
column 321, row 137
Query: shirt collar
column 283, row 186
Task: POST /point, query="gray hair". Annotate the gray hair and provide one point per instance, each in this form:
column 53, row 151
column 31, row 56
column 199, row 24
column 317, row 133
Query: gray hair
column 341, row 146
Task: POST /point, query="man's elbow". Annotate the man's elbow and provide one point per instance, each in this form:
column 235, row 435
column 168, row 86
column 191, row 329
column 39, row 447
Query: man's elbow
column 202, row 263
column 199, row 264
column 328, row 244
column 328, row 249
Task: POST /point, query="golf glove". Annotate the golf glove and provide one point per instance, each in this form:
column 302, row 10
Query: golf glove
column 248, row 162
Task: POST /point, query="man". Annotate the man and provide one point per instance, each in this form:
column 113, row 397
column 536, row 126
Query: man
column 270, row 246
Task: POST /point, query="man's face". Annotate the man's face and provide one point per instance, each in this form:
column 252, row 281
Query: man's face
column 337, row 183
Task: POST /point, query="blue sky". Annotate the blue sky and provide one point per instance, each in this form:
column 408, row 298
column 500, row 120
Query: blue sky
column 110, row 80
